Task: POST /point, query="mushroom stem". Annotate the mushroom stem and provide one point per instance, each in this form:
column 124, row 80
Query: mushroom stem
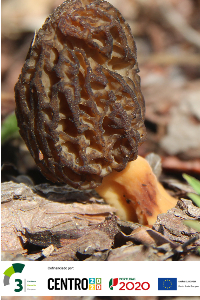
column 136, row 193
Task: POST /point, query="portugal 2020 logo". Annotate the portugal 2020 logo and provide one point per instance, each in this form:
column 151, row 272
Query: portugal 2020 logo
column 129, row 284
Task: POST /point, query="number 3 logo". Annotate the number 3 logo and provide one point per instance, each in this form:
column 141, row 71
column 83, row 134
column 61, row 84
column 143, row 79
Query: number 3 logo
column 19, row 284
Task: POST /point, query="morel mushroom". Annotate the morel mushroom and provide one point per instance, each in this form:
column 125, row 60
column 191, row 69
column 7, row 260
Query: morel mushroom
column 79, row 105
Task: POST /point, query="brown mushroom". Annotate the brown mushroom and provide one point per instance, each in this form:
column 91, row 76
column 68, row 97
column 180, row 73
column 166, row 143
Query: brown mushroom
column 79, row 105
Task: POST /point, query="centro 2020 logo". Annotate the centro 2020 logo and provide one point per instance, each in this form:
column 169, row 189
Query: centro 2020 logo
column 15, row 268
column 128, row 284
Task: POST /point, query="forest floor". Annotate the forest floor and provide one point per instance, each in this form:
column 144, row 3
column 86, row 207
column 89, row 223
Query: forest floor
column 52, row 222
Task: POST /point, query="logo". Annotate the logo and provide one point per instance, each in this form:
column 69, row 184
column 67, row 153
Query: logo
column 74, row 284
column 15, row 268
column 94, row 284
column 113, row 282
column 167, row 283
column 129, row 284
column 20, row 284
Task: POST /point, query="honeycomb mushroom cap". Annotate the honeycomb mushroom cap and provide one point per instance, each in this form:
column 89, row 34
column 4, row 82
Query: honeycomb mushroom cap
column 79, row 106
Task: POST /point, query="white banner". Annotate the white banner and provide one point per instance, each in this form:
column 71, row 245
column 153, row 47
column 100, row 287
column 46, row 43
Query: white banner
column 125, row 278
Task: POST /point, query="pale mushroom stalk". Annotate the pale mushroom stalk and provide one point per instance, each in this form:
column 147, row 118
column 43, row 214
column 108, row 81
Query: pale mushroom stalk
column 136, row 193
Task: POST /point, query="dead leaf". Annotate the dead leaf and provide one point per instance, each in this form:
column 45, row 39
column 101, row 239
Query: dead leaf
column 183, row 131
column 149, row 237
column 171, row 224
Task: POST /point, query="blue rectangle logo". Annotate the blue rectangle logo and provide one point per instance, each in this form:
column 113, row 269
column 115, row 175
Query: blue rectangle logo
column 167, row 283
column 91, row 280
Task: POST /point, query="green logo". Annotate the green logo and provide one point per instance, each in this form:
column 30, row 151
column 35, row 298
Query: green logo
column 15, row 268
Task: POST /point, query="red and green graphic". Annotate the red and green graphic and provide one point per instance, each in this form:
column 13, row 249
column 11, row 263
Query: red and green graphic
column 128, row 284
column 15, row 268
column 113, row 282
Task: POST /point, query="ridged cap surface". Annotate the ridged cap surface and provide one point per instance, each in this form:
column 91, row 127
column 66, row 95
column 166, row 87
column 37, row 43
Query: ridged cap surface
column 79, row 104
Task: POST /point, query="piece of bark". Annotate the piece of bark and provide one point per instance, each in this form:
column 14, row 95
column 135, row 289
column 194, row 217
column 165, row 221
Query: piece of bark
column 86, row 229
column 133, row 253
column 96, row 238
column 98, row 256
column 149, row 237
column 25, row 215
column 86, row 245
column 171, row 224
column 65, row 192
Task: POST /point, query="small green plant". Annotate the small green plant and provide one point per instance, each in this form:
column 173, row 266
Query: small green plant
column 9, row 128
column 195, row 198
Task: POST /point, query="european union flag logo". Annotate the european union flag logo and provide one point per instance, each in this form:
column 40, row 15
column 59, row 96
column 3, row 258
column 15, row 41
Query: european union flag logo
column 167, row 283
